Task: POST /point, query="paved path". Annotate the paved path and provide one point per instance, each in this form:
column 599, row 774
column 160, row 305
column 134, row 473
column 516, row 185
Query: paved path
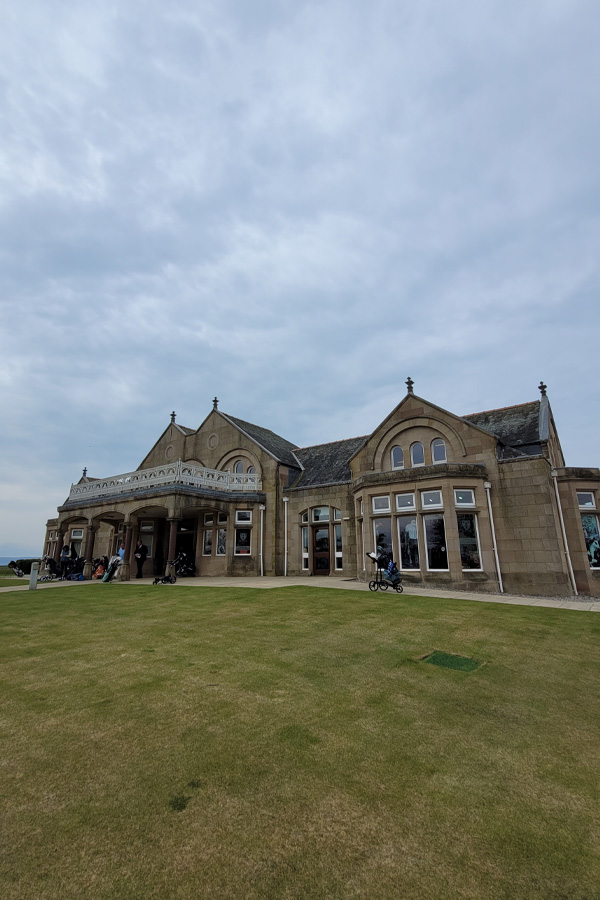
column 575, row 603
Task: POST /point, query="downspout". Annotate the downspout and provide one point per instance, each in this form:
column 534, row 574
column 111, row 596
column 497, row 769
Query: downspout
column 262, row 511
column 286, row 500
column 564, row 533
column 487, row 485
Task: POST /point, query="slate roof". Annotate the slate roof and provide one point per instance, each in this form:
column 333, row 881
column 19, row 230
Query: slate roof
column 517, row 427
column 327, row 463
column 278, row 447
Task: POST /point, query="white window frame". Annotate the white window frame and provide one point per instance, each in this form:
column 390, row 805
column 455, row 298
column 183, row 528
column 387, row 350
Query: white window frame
column 235, row 549
column 427, row 506
column 316, row 518
column 413, row 464
column 337, row 514
column 426, row 547
column 205, row 532
column 76, row 534
column 224, row 553
column 436, row 462
column 338, row 554
column 381, row 509
column 209, row 518
column 305, row 551
column 590, row 494
column 243, row 517
column 394, row 466
column 410, row 508
column 480, row 569
column 464, row 504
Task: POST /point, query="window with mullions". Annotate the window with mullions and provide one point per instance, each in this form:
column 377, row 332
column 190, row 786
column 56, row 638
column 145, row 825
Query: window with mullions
column 337, row 536
column 468, row 539
column 397, row 458
column 435, row 540
column 591, row 534
column 408, row 541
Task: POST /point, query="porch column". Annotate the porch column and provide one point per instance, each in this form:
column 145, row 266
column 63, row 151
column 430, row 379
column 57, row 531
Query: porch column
column 59, row 545
column 89, row 551
column 124, row 568
column 172, row 539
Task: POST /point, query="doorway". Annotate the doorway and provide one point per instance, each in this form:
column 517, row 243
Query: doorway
column 321, row 557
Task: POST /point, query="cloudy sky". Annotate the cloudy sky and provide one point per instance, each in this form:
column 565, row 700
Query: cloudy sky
column 292, row 205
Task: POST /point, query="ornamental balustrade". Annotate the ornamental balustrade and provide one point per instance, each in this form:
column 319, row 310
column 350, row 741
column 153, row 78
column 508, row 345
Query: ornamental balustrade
column 173, row 473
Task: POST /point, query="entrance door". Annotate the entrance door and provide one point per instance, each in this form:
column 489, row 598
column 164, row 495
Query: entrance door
column 321, row 550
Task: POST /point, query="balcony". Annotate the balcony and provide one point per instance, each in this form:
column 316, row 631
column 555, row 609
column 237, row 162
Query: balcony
column 178, row 473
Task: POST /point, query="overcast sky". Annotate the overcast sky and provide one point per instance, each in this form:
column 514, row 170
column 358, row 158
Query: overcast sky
column 292, row 205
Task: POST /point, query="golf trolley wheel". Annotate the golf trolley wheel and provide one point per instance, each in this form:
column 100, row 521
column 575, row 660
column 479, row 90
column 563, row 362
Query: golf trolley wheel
column 173, row 579
column 399, row 588
column 383, row 586
column 373, row 586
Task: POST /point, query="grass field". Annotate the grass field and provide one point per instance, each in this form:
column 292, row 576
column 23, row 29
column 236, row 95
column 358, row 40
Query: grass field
column 179, row 743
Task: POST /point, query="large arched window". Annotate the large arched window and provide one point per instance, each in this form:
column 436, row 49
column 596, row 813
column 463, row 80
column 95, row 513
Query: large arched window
column 438, row 451
column 417, row 454
column 397, row 458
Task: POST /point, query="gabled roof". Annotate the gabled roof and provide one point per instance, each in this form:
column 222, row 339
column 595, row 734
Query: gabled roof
column 515, row 426
column 278, row 447
column 327, row 463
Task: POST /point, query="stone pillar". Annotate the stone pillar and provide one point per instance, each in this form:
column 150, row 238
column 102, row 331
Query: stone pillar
column 59, row 545
column 172, row 539
column 125, row 568
column 89, row 551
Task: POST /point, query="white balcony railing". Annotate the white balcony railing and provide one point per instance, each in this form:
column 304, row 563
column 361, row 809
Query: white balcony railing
column 173, row 473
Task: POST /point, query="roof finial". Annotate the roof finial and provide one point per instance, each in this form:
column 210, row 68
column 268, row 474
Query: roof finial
column 409, row 384
column 542, row 387
column 215, row 403
column 173, row 417
column 85, row 471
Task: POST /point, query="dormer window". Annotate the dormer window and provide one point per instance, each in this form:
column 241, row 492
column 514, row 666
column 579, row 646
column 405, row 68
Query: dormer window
column 438, row 451
column 417, row 455
column 397, row 458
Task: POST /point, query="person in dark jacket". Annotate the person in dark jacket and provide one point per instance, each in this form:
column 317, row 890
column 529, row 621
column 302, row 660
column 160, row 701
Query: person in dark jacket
column 141, row 554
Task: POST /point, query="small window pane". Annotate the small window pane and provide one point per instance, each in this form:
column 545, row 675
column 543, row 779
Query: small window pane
column 221, row 541
column 305, row 517
column 207, row 543
column 397, row 458
column 208, row 518
column 383, row 540
column 405, row 501
column 238, row 468
column 251, row 470
column 408, row 539
column 431, row 498
column 586, row 499
column 435, row 537
column 468, row 540
column 592, row 540
column 438, row 451
column 381, row 504
column 305, row 540
column 243, row 515
column 337, row 515
column 464, row 498
column 242, row 541
column 321, row 514
column 417, row 455
column 222, row 517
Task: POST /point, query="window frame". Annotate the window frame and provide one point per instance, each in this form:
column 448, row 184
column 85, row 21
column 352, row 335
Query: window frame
column 240, row 515
column 437, row 442
column 380, row 510
column 416, row 465
column 236, row 552
column 413, row 506
column 316, row 519
column 477, row 539
column 590, row 494
column 426, row 545
column 426, row 506
column 463, row 505
column 396, row 466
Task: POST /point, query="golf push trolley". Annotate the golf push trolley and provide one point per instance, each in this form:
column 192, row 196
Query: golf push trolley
column 385, row 577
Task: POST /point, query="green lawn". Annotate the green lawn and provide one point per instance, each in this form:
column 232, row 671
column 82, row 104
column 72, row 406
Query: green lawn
column 167, row 742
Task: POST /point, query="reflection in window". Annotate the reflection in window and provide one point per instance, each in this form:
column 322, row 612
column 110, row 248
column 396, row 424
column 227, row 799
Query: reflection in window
column 305, row 547
column 435, row 538
column 397, row 458
column 238, row 468
column 242, row 541
column 592, row 540
column 221, row 541
column 381, row 504
column 431, row 498
column 464, row 498
column 417, row 455
column 320, row 514
column 438, row 451
column 383, row 540
column 408, row 539
column 338, row 545
column 586, row 499
column 468, row 540
column 405, row 501
column 207, row 543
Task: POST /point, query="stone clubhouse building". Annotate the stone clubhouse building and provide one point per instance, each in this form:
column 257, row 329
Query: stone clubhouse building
column 482, row 501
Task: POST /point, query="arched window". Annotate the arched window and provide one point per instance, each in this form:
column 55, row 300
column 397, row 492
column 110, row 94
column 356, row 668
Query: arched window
column 238, row 468
column 251, row 470
column 438, row 451
column 397, row 458
column 417, row 455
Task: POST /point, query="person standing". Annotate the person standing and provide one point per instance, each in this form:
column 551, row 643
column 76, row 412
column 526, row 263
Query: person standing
column 65, row 560
column 141, row 555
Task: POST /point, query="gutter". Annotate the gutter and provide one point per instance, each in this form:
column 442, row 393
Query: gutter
column 487, row 485
column 564, row 533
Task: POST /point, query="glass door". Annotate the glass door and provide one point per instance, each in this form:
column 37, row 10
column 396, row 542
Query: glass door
column 321, row 562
